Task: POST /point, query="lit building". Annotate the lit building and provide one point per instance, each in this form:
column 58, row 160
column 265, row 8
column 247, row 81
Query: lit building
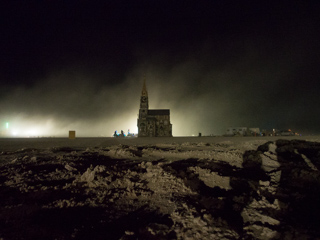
column 152, row 122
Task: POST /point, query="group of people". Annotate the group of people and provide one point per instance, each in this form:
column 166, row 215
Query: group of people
column 121, row 134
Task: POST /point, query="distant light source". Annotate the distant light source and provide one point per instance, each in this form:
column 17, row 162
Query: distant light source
column 14, row 133
column 7, row 125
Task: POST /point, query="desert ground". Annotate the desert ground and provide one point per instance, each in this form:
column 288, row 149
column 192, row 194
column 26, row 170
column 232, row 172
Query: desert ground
column 160, row 188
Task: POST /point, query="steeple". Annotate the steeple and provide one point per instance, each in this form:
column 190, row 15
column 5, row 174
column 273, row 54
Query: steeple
column 144, row 97
column 144, row 88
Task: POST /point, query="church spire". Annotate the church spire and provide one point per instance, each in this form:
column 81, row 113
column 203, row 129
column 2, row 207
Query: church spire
column 144, row 88
column 144, row 96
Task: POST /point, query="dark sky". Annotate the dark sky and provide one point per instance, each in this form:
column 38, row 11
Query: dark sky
column 79, row 65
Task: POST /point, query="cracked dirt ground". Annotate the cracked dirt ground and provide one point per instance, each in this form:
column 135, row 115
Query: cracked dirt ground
column 162, row 191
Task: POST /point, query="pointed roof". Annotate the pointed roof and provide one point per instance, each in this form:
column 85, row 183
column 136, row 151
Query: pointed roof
column 144, row 88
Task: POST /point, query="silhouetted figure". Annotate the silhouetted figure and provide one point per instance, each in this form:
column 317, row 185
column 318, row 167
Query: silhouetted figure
column 115, row 134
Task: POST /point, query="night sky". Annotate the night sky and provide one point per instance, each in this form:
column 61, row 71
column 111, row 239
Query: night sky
column 80, row 65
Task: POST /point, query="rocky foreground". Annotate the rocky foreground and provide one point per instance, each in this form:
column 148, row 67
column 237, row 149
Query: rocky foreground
column 168, row 191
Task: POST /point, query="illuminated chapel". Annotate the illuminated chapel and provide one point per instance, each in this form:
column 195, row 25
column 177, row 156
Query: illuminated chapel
column 152, row 122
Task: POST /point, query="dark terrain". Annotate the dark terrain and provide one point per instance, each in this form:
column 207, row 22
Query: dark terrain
column 125, row 192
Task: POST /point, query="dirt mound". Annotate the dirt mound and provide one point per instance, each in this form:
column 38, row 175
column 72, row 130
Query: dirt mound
column 176, row 192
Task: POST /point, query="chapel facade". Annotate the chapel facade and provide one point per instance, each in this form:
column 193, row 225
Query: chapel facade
column 152, row 122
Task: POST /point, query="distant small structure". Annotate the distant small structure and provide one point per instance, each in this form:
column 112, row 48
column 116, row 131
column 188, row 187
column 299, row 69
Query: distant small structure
column 237, row 131
column 243, row 131
column 72, row 134
column 254, row 132
column 288, row 132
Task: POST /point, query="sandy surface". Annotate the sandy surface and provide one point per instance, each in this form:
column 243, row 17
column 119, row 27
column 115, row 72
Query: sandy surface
column 160, row 188
column 13, row 144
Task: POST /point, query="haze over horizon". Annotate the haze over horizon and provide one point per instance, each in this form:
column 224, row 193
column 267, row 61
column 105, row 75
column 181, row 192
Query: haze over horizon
column 79, row 65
